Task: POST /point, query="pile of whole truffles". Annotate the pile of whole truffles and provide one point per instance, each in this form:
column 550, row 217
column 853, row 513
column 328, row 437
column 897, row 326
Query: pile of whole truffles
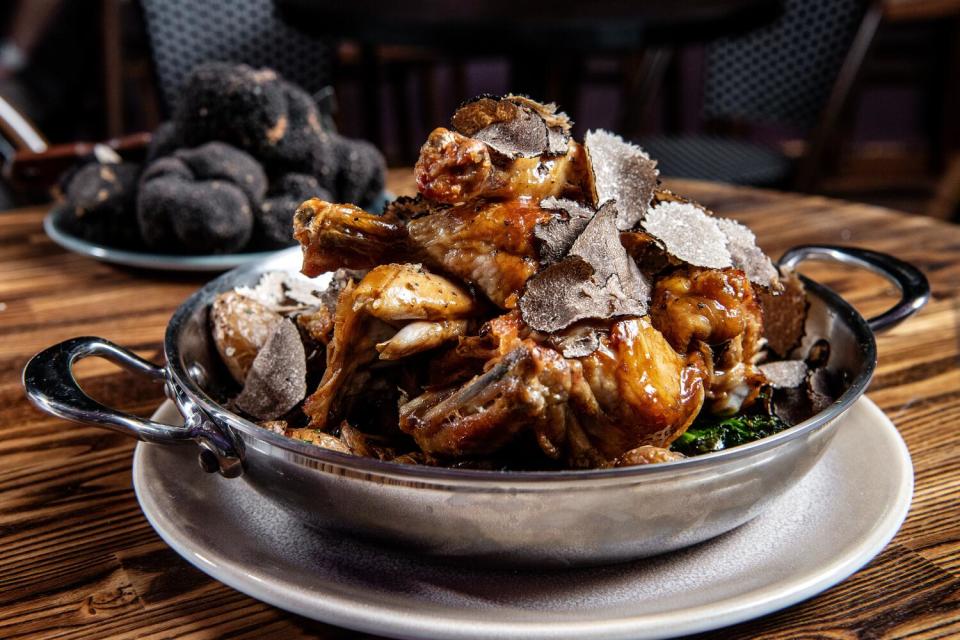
column 243, row 149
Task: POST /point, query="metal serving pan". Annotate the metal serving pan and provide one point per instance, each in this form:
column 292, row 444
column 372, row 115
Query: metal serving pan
column 545, row 518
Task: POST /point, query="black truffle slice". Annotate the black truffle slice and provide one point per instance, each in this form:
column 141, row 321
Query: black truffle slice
column 100, row 203
column 821, row 389
column 219, row 161
column 177, row 214
column 524, row 136
column 817, row 392
column 557, row 235
column 508, row 126
column 236, row 104
column 361, row 172
column 554, row 119
column 784, row 314
column 689, row 234
column 274, row 218
column 597, row 280
column 622, row 172
column 746, row 255
column 277, row 380
column 558, row 123
column 164, row 141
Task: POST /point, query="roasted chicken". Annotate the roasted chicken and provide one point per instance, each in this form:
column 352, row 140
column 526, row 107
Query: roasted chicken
column 440, row 302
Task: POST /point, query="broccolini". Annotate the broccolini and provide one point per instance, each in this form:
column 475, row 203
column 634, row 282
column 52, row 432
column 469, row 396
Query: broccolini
column 713, row 433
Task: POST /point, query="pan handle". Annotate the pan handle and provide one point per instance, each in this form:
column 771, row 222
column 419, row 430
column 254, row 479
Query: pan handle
column 913, row 285
column 50, row 384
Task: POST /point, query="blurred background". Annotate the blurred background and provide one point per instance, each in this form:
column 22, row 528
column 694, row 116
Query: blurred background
column 841, row 97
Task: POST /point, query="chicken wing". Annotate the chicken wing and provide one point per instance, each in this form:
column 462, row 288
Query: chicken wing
column 488, row 244
column 343, row 236
column 453, row 169
column 367, row 315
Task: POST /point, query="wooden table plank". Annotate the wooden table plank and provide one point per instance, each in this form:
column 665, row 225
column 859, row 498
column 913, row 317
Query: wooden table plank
column 78, row 560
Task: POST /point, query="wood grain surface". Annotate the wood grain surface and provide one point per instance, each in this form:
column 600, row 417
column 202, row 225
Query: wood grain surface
column 78, row 560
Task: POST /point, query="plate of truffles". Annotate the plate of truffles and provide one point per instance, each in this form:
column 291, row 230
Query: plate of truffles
column 220, row 180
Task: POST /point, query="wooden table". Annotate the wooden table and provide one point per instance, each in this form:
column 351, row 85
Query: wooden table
column 78, row 560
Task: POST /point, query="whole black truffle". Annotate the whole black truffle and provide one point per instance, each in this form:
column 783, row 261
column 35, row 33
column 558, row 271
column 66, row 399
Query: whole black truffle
column 165, row 140
column 239, row 105
column 219, row 161
column 304, row 147
column 100, row 203
column 200, row 200
column 274, row 218
column 361, row 171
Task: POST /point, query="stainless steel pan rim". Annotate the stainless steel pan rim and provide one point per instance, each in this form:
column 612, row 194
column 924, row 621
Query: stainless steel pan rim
column 212, row 426
column 386, row 468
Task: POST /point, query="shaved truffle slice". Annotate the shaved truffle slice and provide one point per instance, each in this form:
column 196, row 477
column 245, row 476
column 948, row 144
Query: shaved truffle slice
column 481, row 112
column 524, row 136
column 277, row 380
column 558, row 123
column 557, row 235
column 509, row 126
column 821, row 389
column 597, row 280
column 784, row 314
column 623, row 172
column 817, row 392
column 557, row 120
column 689, row 234
column 746, row 255
column 785, row 374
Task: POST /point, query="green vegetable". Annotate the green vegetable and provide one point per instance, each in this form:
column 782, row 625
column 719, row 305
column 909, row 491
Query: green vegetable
column 713, row 433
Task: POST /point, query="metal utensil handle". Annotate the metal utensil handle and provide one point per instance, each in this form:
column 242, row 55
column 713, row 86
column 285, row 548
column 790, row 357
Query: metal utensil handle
column 49, row 382
column 913, row 285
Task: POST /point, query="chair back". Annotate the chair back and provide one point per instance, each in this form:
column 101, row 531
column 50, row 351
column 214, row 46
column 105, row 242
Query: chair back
column 185, row 33
column 783, row 72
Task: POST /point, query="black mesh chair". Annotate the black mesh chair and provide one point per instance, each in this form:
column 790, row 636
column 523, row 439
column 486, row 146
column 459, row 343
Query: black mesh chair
column 796, row 71
column 184, row 33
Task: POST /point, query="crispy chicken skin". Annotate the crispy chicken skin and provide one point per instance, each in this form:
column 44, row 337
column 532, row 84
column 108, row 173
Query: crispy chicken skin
column 486, row 243
column 633, row 391
column 343, row 236
column 453, row 169
column 715, row 307
column 367, row 315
